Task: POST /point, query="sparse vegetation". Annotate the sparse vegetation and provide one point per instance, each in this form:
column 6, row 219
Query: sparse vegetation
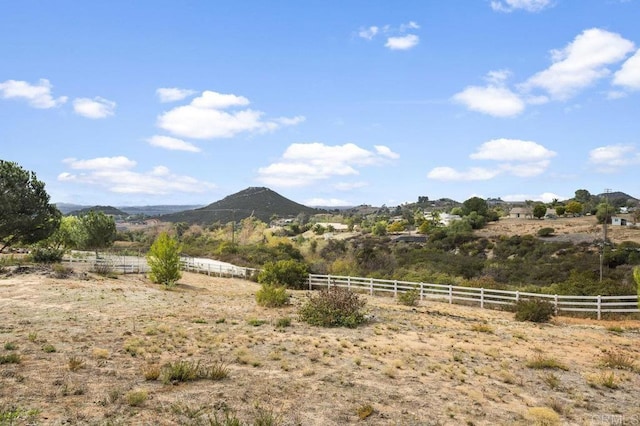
column 534, row 310
column 12, row 358
column 618, row 359
column 136, row 398
column 272, row 296
column 333, row 307
column 185, row 371
column 539, row 362
column 364, row 411
column 409, row 297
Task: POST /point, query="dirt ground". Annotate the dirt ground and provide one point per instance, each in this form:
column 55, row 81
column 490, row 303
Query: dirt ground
column 86, row 343
column 572, row 229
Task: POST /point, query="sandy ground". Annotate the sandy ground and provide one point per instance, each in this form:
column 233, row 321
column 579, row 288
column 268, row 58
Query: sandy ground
column 436, row 364
column 576, row 230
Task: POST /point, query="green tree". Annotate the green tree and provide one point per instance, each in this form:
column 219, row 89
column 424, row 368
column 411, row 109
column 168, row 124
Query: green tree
column 604, row 212
column 380, row 228
column 582, row 196
column 25, row 213
column 397, row 226
column 475, row 204
column 164, row 260
column 288, row 273
column 574, row 207
column 539, row 210
column 96, row 231
column 560, row 210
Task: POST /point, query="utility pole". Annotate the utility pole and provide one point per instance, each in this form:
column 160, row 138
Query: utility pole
column 604, row 228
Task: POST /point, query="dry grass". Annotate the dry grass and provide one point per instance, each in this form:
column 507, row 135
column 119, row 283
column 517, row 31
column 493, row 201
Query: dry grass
column 437, row 364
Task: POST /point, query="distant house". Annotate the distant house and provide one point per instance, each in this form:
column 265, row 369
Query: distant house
column 618, row 221
column 520, row 213
column 445, row 218
column 337, row 227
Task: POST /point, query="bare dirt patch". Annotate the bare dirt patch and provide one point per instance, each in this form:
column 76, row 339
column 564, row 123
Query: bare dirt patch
column 85, row 346
column 576, row 230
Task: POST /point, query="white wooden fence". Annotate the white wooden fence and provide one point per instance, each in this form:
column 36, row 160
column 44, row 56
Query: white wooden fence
column 482, row 296
column 138, row 264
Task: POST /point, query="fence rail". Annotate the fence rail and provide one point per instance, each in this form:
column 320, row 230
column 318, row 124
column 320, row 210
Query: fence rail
column 138, row 265
column 482, row 296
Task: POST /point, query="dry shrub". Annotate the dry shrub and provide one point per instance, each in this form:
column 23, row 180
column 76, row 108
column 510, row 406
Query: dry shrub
column 334, row 307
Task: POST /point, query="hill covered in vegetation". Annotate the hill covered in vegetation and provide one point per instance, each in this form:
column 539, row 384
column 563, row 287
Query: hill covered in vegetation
column 258, row 202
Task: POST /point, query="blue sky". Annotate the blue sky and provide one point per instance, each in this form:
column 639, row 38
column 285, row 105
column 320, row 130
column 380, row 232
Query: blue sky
column 326, row 102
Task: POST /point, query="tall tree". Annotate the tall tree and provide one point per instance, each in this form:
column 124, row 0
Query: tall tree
column 25, row 213
column 97, row 231
column 164, row 260
column 475, row 204
column 539, row 210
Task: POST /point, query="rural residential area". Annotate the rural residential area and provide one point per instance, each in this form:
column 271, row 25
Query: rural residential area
column 279, row 213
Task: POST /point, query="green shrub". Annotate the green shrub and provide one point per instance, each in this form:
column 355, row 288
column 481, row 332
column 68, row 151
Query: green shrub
column 288, row 273
column 283, row 322
column 333, row 307
column 164, row 260
column 185, row 371
column 12, row 358
column 409, row 297
column 47, row 255
column 272, row 296
column 545, row 232
column 534, row 310
column 60, row 271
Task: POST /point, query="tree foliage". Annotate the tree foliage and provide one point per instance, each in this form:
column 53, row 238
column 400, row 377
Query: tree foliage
column 539, row 210
column 164, row 260
column 96, row 231
column 475, row 204
column 574, row 207
column 288, row 273
column 25, row 213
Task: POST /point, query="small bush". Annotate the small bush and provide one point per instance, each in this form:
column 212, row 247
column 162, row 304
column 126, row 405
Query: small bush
column 136, row 398
column 164, row 260
column 47, row 255
column 186, row 371
column 10, row 346
column 75, row 363
column 534, row 310
column 540, row 362
column 60, row 271
column 283, row 322
column 409, row 297
column 619, row 360
column 255, row 322
column 364, row 411
column 333, row 307
column 288, row 273
column 151, row 372
column 545, row 232
column 49, row 348
column 272, row 296
column 10, row 359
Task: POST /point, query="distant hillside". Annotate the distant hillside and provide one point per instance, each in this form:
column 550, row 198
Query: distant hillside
column 108, row 210
column 66, row 208
column 262, row 203
column 617, row 197
column 158, row 210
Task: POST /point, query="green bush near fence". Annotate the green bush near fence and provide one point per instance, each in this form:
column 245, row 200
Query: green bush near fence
column 534, row 310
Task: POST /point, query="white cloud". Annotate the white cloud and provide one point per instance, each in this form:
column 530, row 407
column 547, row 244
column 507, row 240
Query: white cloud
column 173, row 94
column 205, row 118
column 527, row 5
column 492, row 100
column 348, row 186
column 326, row 202
column 580, row 64
column 512, row 150
column 368, row 33
column 173, row 144
column 629, row 75
column 37, row 95
column 545, row 197
column 516, row 158
column 611, row 158
column 450, row 174
column 117, row 175
column 305, row 163
column 385, row 151
column 94, row 108
column 405, row 42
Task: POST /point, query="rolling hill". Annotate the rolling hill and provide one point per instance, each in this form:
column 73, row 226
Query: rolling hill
column 260, row 202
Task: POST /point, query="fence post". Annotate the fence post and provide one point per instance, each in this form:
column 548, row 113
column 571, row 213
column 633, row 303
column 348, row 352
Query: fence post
column 328, row 281
column 450, row 294
column 349, row 282
column 482, row 298
column 599, row 307
column 421, row 292
column 555, row 304
column 395, row 289
column 517, row 296
column 309, row 278
column 371, row 286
